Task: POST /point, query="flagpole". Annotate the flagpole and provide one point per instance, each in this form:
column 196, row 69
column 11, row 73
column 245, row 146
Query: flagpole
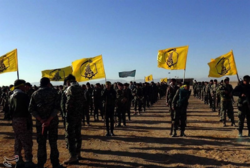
column 104, row 71
column 236, row 67
column 185, row 69
column 184, row 75
column 17, row 65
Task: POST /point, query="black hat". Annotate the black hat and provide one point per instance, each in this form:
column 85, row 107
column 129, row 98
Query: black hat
column 70, row 78
column 226, row 79
column 119, row 84
column 246, row 78
column 18, row 83
column 44, row 81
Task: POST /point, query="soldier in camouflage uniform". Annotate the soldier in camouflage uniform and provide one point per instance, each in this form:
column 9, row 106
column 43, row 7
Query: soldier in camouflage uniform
column 22, row 124
column 85, row 107
column 90, row 100
column 44, row 106
column 225, row 92
column 179, row 105
column 138, row 97
column 120, row 105
column 74, row 114
column 96, row 95
column 129, row 97
column 214, row 94
column 171, row 90
column 243, row 92
column 29, row 89
column 109, row 98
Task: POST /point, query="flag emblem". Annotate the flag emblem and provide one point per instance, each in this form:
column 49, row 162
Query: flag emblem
column 3, row 67
column 223, row 66
column 172, row 57
column 88, row 73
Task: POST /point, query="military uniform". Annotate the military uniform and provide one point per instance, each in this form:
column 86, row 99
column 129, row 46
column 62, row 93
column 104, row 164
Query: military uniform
column 74, row 113
column 243, row 105
column 121, row 106
column 109, row 97
column 44, row 103
column 225, row 92
column 97, row 95
column 171, row 91
column 180, row 102
column 138, row 97
column 214, row 96
column 22, row 124
column 128, row 96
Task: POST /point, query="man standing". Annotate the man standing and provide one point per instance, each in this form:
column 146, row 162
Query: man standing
column 214, row 95
column 85, row 107
column 120, row 103
column 171, row 90
column 181, row 99
column 74, row 114
column 225, row 91
column 44, row 106
column 138, row 97
column 97, row 95
column 109, row 97
column 22, row 124
column 128, row 96
column 243, row 92
column 29, row 89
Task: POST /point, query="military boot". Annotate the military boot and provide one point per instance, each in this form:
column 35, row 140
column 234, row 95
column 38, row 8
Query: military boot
column 174, row 134
column 183, row 134
column 240, row 133
column 79, row 156
column 72, row 160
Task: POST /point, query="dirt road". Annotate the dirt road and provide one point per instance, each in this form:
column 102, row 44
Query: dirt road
column 146, row 142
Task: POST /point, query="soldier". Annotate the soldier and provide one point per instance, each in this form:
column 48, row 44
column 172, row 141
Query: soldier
column 22, row 124
column 120, row 104
column 74, row 114
column 138, row 95
column 109, row 97
column 195, row 88
column 97, row 95
column 225, row 92
column 243, row 92
column 5, row 104
column 29, row 89
column 85, row 107
column 180, row 102
column 44, row 106
column 171, row 90
column 89, row 94
column 214, row 94
column 128, row 96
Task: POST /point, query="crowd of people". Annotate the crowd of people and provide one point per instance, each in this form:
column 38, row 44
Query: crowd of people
column 111, row 103
column 76, row 104
column 220, row 96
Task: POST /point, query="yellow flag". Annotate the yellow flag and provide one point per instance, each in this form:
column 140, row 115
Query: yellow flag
column 173, row 58
column 222, row 66
column 8, row 62
column 57, row 74
column 164, row 80
column 149, row 78
column 88, row 68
